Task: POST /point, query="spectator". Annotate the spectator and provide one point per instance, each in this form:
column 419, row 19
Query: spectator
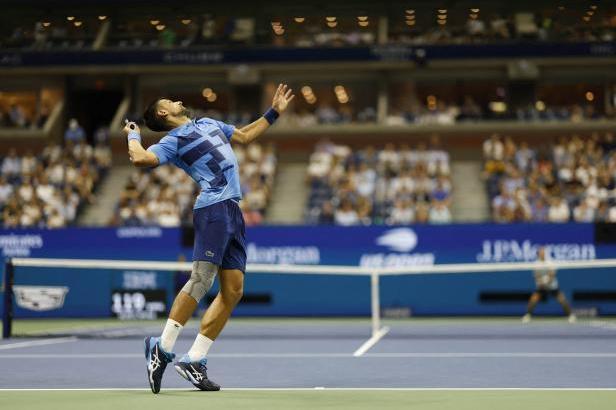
column 345, row 215
column 402, row 214
column 17, row 116
column 74, row 133
column 11, row 165
column 439, row 213
column 559, row 211
column 6, row 190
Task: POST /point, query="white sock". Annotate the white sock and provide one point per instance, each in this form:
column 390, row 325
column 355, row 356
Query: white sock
column 200, row 348
column 170, row 335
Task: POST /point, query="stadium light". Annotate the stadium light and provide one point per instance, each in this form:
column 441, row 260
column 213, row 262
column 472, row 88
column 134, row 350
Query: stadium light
column 299, row 19
column 540, row 105
column 46, row 24
column 78, row 23
column 442, row 17
column 160, row 27
column 101, row 18
column 70, row 18
column 363, row 23
column 475, row 10
column 409, row 11
column 410, row 22
column 154, row 22
column 362, row 18
column 589, row 96
column 409, row 18
column 330, row 19
column 212, row 97
column 442, row 11
column 186, row 21
column 498, row 106
column 332, row 24
column 207, row 92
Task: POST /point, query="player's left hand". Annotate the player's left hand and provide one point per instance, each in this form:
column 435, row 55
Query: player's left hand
column 283, row 96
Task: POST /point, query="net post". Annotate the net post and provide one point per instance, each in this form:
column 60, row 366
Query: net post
column 376, row 302
column 7, row 312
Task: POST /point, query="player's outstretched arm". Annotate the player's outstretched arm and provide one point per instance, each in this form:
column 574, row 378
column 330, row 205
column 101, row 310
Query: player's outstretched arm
column 137, row 154
column 282, row 97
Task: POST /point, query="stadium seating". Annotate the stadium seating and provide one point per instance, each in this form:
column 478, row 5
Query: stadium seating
column 165, row 195
column 50, row 188
column 573, row 178
column 394, row 185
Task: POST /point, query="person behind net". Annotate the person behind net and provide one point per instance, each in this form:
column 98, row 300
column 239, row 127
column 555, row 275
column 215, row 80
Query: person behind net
column 201, row 147
column 546, row 285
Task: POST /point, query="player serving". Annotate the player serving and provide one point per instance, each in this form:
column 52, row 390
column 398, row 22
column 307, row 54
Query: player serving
column 201, row 147
column 546, row 285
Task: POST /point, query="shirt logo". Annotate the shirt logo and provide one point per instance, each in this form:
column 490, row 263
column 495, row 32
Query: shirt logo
column 209, row 254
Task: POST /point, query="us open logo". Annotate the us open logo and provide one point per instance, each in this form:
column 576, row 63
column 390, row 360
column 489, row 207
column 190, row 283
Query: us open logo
column 400, row 242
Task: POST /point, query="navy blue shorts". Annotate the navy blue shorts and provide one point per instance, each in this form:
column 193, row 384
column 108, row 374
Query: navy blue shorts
column 220, row 235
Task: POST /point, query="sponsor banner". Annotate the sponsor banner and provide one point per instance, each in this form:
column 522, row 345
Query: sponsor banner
column 376, row 246
column 38, row 290
column 422, row 245
column 40, row 298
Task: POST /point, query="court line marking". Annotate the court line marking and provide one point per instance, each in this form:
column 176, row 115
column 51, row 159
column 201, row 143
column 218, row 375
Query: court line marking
column 418, row 355
column 368, row 344
column 602, row 324
column 43, row 342
column 321, row 388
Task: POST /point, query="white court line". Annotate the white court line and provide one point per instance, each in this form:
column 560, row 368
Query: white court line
column 321, row 388
column 484, row 355
column 401, row 355
column 602, row 324
column 371, row 342
column 43, row 342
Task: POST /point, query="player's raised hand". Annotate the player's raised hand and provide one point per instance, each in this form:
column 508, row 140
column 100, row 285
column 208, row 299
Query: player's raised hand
column 130, row 126
column 282, row 97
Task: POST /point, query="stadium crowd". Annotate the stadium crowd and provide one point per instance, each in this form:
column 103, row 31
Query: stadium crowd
column 177, row 31
column 49, row 189
column 445, row 113
column 519, row 27
column 165, row 195
column 15, row 116
column 573, row 179
column 393, row 185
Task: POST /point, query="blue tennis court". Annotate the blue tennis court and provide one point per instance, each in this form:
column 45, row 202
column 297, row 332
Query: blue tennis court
column 416, row 353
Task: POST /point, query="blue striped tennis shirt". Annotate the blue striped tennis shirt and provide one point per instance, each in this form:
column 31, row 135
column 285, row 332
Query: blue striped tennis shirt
column 202, row 149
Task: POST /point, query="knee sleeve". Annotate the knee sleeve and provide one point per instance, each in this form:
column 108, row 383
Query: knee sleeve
column 201, row 279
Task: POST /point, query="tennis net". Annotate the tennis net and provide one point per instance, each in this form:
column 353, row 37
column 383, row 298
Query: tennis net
column 120, row 298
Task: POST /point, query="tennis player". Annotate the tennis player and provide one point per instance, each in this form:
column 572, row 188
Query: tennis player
column 546, row 285
column 201, row 147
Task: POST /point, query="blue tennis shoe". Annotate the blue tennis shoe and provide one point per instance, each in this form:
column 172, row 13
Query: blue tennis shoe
column 196, row 373
column 157, row 360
